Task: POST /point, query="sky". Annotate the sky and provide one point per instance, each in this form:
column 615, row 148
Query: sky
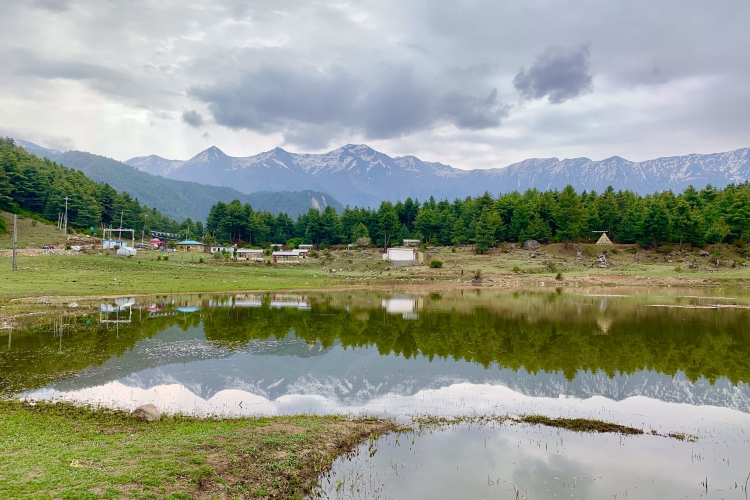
column 469, row 83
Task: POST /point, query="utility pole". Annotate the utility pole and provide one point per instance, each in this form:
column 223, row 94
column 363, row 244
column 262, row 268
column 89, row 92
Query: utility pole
column 14, row 265
column 65, row 220
column 121, row 215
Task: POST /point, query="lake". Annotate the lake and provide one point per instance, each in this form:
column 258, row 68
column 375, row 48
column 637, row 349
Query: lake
column 661, row 360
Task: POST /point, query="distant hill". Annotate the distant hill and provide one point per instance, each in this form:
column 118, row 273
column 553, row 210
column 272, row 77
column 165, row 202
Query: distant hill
column 175, row 198
column 359, row 175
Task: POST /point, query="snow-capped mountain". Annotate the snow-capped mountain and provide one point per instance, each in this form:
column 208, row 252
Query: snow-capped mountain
column 359, row 175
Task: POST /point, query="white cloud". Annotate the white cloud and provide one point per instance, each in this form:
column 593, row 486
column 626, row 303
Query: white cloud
column 429, row 78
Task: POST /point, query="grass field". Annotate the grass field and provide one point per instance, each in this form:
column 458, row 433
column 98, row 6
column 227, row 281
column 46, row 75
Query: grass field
column 81, row 274
column 102, row 273
column 68, row 452
column 31, row 233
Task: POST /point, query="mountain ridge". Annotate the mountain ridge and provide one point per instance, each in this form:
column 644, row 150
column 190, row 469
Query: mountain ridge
column 356, row 174
column 180, row 199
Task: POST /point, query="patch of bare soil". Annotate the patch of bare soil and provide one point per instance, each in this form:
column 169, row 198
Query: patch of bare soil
column 283, row 459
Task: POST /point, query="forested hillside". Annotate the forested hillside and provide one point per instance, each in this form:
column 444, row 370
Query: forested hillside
column 180, row 199
column 39, row 187
column 694, row 217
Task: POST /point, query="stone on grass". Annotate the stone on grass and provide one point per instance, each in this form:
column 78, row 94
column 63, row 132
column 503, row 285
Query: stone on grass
column 530, row 245
column 149, row 413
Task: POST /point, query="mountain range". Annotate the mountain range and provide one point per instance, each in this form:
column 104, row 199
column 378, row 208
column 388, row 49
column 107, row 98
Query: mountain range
column 359, row 175
column 179, row 199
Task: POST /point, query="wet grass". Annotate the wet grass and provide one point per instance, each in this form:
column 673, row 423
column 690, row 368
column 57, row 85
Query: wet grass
column 429, row 423
column 65, row 451
column 579, row 424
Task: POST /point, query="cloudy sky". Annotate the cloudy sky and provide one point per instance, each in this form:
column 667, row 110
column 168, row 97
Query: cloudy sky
column 471, row 83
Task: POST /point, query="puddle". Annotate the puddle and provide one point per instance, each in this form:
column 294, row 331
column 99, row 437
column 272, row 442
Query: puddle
column 518, row 461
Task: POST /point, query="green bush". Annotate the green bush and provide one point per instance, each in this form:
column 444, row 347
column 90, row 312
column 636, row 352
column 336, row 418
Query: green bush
column 200, row 260
column 436, row 264
column 516, row 269
column 559, row 277
column 294, row 243
column 3, row 227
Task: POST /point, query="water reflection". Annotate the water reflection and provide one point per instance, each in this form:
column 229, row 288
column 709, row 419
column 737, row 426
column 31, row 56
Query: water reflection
column 390, row 353
column 524, row 462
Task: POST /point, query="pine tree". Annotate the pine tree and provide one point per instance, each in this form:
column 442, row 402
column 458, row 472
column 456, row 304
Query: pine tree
column 485, row 232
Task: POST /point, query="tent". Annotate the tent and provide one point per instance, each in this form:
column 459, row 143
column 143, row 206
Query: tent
column 604, row 240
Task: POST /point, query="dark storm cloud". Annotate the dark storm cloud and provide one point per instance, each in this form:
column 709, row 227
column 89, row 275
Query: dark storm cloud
column 192, row 118
column 474, row 113
column 559, row 74
column 313, row 106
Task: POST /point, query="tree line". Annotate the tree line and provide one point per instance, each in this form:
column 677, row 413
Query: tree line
column 694, row 217
column 38, row 187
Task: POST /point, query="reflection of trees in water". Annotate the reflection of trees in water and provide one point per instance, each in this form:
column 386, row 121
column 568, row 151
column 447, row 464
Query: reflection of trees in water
column 711, row 344
column 571, row 335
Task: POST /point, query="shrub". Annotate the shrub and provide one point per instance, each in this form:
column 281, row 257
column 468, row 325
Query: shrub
column 313, row 253
column 516, row 269
column 67, row 247
column 34, row 222
column 678, row 269
column 453, row 249
column 294, row 243
column 559, row 277
column 200, row 260
column 665, row 249
column 478, row 274
column 615, row 251
column 436, row 264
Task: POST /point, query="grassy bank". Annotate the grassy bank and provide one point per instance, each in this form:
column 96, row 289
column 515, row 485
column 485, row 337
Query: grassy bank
column 82, row 274
column 63, row 451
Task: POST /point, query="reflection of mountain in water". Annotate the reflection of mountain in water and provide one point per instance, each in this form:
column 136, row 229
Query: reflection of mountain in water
column 351, row 348
column 355, row 376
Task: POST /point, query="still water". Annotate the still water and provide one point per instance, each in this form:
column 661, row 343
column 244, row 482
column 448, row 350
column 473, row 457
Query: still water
column 662, row 359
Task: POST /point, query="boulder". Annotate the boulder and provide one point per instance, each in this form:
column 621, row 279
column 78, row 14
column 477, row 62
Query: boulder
column 530, row 245
column 703, row 253
column 149, row 413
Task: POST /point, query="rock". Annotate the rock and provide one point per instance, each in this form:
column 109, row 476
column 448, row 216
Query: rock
column 703, row 253
column 149, row 413
column 530, row 245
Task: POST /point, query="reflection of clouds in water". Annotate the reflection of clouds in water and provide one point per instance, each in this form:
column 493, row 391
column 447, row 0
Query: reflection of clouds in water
column 555, row 475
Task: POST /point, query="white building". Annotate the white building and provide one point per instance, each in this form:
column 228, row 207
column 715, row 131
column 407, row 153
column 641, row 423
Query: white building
column 218, row 248
column 305, row 246
column 402, row 256
column 411, row 243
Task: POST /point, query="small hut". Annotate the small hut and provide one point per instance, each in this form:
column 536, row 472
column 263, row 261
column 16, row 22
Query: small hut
column 604, row 239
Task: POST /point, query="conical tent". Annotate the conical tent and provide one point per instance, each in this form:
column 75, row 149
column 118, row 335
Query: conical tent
column 604, row 240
